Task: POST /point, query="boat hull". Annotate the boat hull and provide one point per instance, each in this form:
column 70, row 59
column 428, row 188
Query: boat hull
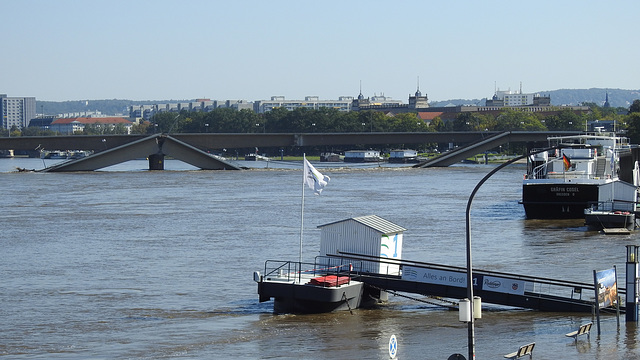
column 599, row 220
column 308, row 299
column 558, row 200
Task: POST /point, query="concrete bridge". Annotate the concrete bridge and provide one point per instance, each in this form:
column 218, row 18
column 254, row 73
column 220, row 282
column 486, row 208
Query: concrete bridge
column 192, row 148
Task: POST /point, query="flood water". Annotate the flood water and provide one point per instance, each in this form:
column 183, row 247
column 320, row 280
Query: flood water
column 132, row 264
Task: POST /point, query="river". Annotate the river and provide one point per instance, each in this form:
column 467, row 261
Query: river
column 134, row 264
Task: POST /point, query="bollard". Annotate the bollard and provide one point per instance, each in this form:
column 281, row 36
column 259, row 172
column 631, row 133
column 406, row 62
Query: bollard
column 631, row 313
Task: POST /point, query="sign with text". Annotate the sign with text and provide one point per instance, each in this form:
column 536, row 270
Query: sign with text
column 503, row 285
column 431, row 276
column 458, row 279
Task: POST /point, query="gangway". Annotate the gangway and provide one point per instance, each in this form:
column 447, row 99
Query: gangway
column 493, row 287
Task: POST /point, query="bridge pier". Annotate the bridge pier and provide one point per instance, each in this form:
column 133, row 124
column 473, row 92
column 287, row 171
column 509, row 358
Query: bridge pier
column 156, row 161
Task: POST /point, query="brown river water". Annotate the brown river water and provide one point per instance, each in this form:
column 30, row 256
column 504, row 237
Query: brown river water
column 132, row 264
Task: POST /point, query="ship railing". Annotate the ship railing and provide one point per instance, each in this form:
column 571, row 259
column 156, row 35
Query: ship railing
column 541, row 172
column 613, row 205
column 538, row 172
column 294, row 271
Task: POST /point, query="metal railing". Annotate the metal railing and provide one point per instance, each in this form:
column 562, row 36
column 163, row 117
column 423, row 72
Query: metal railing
column 292, row 271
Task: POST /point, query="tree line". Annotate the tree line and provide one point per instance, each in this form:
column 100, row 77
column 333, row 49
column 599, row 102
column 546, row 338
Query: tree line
column 302, row 120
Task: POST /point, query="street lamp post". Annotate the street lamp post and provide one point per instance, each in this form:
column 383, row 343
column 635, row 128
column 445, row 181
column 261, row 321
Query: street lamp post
column 471, row 330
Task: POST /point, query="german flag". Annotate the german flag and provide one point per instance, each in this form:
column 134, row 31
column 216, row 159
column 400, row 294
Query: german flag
column 566, row 161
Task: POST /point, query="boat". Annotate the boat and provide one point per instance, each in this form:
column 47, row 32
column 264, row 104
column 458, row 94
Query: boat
column 78, row 154
column 615, row 207
column 330, row 157
column 606, row 219
column 6, row 154
column 562, row 183
column 404, row 156
column 328, row 283
column 318, row 289
column 362, row 156
column 55, row 154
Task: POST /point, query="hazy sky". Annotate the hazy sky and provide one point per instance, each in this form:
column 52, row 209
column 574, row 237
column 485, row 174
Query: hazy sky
column 161, row 49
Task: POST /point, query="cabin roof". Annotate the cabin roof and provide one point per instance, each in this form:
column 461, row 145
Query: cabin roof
column 375, row 222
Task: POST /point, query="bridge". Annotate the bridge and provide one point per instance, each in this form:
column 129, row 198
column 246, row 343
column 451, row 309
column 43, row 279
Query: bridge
column 155, row 148
column 193, row 148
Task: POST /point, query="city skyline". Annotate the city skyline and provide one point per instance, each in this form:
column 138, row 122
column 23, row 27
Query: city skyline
column 251, row 50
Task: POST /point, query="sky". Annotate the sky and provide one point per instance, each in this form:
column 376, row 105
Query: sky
column 251, row 50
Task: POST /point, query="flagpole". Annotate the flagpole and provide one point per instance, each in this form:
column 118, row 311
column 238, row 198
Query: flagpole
column 304, row 159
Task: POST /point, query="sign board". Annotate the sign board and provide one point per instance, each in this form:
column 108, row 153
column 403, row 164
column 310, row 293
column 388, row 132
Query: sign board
column 393, row 347
column 459, row 279
column 606, row 287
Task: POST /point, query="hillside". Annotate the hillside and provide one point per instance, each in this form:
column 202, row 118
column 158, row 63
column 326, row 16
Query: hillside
column 617, row 98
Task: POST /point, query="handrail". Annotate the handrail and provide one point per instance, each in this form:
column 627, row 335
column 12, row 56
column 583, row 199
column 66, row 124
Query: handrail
column 539, row 280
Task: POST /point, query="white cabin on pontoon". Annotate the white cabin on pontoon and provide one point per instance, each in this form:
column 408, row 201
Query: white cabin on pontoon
column 365, row 235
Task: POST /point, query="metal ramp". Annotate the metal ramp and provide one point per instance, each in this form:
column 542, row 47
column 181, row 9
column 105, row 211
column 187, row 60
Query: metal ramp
column 459, row 154
column 493, row 287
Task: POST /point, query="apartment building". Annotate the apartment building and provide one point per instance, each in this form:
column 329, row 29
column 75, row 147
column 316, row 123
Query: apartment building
column 310, row 102
column 17, row 111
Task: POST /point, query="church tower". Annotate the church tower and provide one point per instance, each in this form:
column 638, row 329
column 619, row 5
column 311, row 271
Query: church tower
column 418, row 101
column 606, row 101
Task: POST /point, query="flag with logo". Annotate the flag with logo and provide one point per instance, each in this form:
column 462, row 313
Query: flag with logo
column 566, row 162
column 313, row 178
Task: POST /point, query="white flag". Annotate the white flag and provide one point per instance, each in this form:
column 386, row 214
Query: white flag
column 313, row 178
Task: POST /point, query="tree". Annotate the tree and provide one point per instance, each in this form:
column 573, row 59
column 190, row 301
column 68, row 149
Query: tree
column 141, row 128
column 436, row 124
column 165, row 122
column 635, row 107
column 564, row 120
column 511, row 119
column 633, row 127
column 468, row 121
column 407, row 122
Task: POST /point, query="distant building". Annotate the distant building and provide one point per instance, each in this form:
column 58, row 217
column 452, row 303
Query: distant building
column 512, row 99
column 310, row 102
column 378, row 103
column 146, row 112
column 71, row 125
column 91, row 114
column 606, row 101
column 17, row 111
column 417, row 101
column 43, row 122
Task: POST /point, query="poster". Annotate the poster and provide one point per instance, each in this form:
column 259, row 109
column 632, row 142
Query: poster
column 606, row 287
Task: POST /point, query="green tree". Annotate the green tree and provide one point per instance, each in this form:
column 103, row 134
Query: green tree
column 633, row 127
column 277, row 119
column 635, row 107
column 407, row 122
column 511, row 119
column 165, row 121
column 436, row 124
column 141, row 128
column 564, row 120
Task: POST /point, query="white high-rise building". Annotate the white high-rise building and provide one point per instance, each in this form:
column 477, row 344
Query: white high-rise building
column 17, row 111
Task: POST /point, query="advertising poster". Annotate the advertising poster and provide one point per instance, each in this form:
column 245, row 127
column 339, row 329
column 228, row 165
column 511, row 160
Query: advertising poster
column 606, row 287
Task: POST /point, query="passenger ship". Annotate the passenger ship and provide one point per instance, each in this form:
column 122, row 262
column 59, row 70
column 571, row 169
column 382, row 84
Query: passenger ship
column 562, row 183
